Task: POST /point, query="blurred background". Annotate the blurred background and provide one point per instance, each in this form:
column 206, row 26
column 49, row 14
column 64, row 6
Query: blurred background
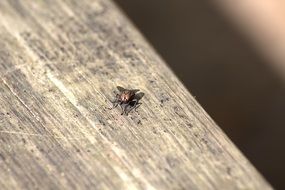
column 231, row 57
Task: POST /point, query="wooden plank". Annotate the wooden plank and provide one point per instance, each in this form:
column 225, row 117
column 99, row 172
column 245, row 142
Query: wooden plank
column 60, row 62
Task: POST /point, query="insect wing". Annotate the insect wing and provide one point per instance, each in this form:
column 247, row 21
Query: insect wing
column 135, row 91
column 139, row 96
column 121, row 89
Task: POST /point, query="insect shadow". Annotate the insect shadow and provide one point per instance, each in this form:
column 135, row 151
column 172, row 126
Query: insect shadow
column 127, row 99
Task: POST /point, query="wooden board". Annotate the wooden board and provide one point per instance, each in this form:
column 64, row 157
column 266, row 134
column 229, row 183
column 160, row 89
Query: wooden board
column 60, row 63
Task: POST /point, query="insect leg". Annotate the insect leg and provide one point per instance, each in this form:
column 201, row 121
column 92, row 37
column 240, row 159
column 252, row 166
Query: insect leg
column 138, row 105
column 135, row 101
column 115, row 104
column 123, row 106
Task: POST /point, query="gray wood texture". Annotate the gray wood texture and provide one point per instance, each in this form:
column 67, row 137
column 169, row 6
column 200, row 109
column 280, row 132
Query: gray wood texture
column 60, row 63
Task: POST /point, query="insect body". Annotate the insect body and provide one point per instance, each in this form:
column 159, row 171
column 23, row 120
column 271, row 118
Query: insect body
column 127, row 99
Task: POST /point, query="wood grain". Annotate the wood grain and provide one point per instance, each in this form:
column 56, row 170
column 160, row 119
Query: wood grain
column 60, row 63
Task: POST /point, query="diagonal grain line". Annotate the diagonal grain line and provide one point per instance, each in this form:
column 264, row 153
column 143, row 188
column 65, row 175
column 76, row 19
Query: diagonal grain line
column 21, row 101
column 13, row 69
column 70, row 96
column 39, row 135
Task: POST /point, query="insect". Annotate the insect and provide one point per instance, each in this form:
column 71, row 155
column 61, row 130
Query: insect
column 127, row 99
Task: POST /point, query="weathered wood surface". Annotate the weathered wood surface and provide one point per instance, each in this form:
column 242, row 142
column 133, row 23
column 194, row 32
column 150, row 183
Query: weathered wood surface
column 60, row 62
